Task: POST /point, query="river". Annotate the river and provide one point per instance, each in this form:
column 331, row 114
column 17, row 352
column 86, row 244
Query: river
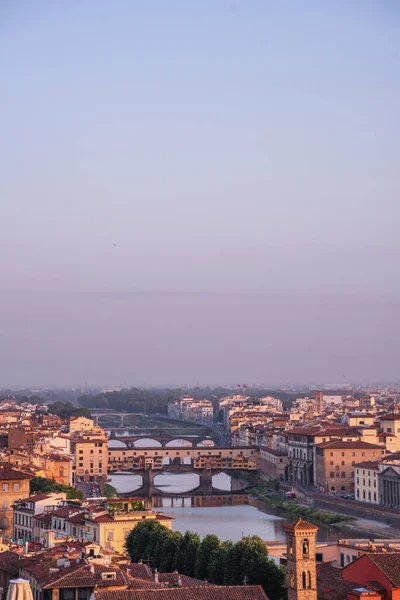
column 229, row 516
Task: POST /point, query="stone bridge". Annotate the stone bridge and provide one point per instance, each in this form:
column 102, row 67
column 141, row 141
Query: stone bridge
column 165, row 440
column 203, row 460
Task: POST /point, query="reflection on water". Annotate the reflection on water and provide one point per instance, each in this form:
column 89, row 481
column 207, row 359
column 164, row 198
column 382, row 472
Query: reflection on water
column 227, row 522
column 229, row 515
column 167, row 482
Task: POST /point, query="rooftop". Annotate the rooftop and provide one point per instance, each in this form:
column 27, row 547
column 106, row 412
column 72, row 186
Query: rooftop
column 210, row 592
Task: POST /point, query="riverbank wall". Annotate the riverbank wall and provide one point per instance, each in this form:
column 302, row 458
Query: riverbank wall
column 349, row 508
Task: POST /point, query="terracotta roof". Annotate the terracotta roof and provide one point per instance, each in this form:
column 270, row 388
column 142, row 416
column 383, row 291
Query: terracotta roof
column 330, row 585
column 7, row 472
column 390, row 417
column 239, row 592
column 173, row 579
column 389, row 564
column 43, row 517
column 80, row 575
column 301, row 525
column 37, row 498
column 358, row 445
column 140, row 571
column 9, row 562
column 368, row 465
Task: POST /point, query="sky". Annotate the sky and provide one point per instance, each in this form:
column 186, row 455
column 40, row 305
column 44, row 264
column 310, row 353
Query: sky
column 199, row 191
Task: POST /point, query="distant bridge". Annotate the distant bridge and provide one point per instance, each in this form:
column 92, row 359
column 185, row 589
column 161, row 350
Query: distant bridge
column 165, row 440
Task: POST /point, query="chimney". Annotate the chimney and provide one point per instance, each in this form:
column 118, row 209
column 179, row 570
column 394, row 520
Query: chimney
column 156, row 579
column 19, row 589
column 179, row 581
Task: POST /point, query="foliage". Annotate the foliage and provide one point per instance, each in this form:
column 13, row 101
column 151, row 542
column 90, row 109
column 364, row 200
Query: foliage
column 134, row 505
column 64, row 410
column 152, row 401
column 41, row 485
column 223, row 563
column 110, row 491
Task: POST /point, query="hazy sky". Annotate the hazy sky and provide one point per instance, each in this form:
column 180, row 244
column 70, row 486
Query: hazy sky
column 199, row 191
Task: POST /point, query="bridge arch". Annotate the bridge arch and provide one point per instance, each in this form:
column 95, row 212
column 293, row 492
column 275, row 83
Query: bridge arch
column 177, row 460
column 117, row 444
column 146, row 442
column 179, row 442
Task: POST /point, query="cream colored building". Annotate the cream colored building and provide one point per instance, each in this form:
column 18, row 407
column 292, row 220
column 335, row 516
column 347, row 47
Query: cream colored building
column 81, row 424
column 111, row 531
column 90, row 457
column 366, row 486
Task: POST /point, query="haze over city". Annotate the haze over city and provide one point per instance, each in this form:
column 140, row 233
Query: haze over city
column 199, row 192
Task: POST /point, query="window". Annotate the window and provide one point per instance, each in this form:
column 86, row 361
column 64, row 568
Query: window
column 83, row 594
column 4, row 523
column 306, row 548
column 319, row 557
column 375, row 496
column 110, row 535
column 331, row 463
column 332, row 474
column 67, row 594
column 342, row 463
column 358, row 493
column 5, row 487
column 16, row 487
column 4, row 505
column 331, row 453
column 343, row 474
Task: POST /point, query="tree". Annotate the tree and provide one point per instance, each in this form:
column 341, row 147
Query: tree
column 138, row 539
column 208, row 546
column 186, row 558
column 42, row 485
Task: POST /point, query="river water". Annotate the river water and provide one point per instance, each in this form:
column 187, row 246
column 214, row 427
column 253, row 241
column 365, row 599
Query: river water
column 229, row 515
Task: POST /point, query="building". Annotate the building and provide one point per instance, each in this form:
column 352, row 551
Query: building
column 301, row 561
column 377, row 572
column 190, row 409
column 111, row 530
column 366, row 482
column 14, row 484
column 273, row 464
column 25, row 510
column 90, row 457
column 77, row 424
column 335, row 463
column 389, row 481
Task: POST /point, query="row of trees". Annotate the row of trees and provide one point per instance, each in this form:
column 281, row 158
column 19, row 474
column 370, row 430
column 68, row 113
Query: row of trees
column 219, row 562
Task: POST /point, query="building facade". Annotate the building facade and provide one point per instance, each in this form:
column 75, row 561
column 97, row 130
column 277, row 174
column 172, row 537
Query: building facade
column 366, row 483
column 13, row 485
column 335, row 464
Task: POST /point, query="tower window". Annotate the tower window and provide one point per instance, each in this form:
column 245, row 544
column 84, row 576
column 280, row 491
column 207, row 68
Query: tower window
column 306, row 580
column 306, row 548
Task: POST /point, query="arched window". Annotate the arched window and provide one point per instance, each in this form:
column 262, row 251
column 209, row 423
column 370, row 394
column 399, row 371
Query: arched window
column 306, row 547
column 304, row 580
column 308, row 579
column 291, row 546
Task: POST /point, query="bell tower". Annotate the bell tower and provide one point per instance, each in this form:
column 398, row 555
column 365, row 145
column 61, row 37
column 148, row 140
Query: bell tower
column 301, row 563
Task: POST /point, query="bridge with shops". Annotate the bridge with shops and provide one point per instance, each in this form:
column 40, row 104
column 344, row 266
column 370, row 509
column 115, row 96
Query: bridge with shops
column 165, row 437
column 205, row 462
